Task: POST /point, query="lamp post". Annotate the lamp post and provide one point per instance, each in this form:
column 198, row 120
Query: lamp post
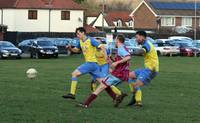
column 195, row 22
column 103, row 11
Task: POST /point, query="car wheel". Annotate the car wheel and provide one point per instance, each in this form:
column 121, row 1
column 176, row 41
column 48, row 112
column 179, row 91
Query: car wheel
column 38, row 56
column 31, row 55
column 18, row 57
column 158, row 53
column 56, row 56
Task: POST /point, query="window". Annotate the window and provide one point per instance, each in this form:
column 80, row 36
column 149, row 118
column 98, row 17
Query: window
column 32, row 14
column 168, row 21
column 119, row 23
column 65, row 15
column 186, row 21
column 130, row 24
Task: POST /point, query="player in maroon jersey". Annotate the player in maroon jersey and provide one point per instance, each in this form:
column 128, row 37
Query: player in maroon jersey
column 120, row 72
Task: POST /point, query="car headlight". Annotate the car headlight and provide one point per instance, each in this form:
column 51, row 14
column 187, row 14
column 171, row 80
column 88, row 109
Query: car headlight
column 56, row 50
column 20, row 51
column 42, row 51
column 188, row 49
column 4, row 51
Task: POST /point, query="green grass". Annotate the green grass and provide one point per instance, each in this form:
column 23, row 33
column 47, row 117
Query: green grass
column 173, row 97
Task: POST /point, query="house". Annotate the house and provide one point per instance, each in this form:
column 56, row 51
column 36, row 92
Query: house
column 91, row 17
column 41, row 15
column 152, row 15
column 119, row 21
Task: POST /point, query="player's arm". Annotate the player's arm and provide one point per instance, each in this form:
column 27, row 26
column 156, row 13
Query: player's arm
column 125, row 57
column 145, row 49
column 74, row 49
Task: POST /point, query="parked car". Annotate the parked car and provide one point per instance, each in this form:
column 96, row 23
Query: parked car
column 180, row 38
column 39, row 48
column 186, row 48
column 197, row 46
column 61, row 43
column 7, row 49
column 166, row 49
column 164, row 40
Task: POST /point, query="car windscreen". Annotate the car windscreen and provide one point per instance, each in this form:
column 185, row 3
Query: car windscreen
column 44, row 43
column 6, row 44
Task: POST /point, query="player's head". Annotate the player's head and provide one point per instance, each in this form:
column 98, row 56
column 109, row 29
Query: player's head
column 80, row 33
column 119, row 40
column 140, row 36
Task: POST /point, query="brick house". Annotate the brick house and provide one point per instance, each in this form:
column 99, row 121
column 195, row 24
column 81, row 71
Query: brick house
column 153, row 15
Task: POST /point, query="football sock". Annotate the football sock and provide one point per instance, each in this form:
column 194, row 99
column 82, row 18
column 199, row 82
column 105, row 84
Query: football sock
column 73, row 85
column 116, row 90
column 89, row 100
column 131, row 87
column 138, row 95
column 94, row 86
column 110, row 92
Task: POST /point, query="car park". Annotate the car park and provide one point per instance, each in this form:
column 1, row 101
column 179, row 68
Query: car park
column 7, row 50
column 166, row 49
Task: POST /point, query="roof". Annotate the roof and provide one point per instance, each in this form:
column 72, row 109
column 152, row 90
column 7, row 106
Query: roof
column 171, row 8
column 90, row 29
column 111, row 17
column 40, row 4
column 92, row 14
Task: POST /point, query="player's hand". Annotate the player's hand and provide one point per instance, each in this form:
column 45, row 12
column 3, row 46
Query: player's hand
column 108, row 60
column 113, row 65
column 68, row 47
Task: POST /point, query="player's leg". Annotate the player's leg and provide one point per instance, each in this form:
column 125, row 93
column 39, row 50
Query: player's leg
column 144, row 78
column 93, row 85
column 104, row 85
column 137, row 93
column 93, row 96
column 82, row 69
column 105, row 70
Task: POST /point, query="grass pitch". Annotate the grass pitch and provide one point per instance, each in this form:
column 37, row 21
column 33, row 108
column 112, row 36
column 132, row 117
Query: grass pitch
column 172, row 97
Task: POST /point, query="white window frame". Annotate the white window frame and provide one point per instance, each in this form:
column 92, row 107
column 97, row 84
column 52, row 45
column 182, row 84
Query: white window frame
column 184, row 21
column 119, row 23
column 165, row 23
column 131, row 23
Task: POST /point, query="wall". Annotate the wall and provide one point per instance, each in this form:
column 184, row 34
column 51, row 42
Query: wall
column 17, row 20
column 144, row 18
column 58, row 25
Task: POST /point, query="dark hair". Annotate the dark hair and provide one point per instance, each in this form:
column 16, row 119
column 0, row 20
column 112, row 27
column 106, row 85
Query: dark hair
column 121, row 38
column 141, row 33
column 80, row 29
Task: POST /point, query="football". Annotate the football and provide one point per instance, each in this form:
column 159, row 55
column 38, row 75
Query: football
column 31, row 73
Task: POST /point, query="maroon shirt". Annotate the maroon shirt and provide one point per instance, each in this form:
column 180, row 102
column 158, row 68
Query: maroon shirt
column 121, row 71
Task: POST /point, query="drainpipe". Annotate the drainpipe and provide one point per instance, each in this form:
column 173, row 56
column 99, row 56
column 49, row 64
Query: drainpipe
column 2, row 16
column 49, row 20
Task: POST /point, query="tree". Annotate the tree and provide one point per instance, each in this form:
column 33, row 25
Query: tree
column 79, row 1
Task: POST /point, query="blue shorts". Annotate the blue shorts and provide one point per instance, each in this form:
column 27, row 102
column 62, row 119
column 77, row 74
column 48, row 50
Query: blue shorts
column 112, row 80
column 104, row 69
column 92, row 68
column 145, row 75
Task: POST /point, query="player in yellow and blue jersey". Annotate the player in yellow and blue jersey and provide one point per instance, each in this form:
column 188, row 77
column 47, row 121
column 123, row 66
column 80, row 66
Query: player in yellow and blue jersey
column 88, row 46
column 141, row 77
